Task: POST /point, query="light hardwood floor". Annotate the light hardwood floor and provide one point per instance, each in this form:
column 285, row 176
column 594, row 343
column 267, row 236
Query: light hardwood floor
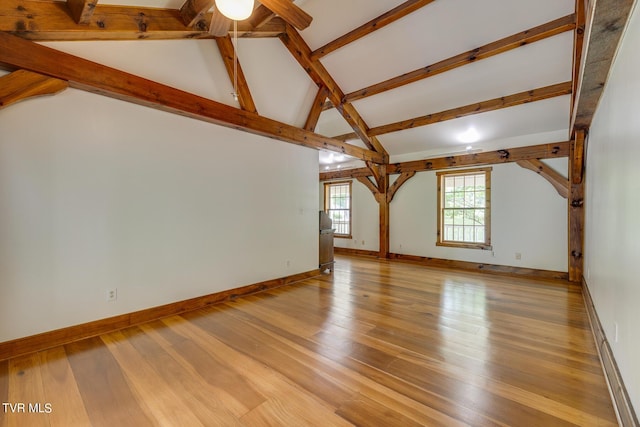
column 375, row 344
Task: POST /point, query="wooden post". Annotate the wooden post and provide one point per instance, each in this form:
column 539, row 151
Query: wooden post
column 576, row 206
column 383, row 203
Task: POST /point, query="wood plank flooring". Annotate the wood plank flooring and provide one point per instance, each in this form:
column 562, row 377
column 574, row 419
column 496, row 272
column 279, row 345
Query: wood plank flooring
column 375, row 344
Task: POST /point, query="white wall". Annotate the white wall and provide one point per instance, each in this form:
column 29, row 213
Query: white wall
column 97, row 193
column 528, row 217
column 612, row 234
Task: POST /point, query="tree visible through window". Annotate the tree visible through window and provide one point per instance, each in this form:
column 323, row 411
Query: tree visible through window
column 337, row 204
column 464, row 208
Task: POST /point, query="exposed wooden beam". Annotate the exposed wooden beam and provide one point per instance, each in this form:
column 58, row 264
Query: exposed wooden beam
column 480, row 107
column 507, row 155
column 81, row 10
column 86, row 75
column 193, row 13
column 393, row 189
column 559, row 182
column 226, row 48
column 319, row 74
column 327, row 106
column 604, row 31
column 288, row 11
column 384, row 223
column 346, row 136
column 316, row 109
column 576, row 211
column 345, row 173
column 220, row 24
column 51, row 21
column 375, row 24
column 578, row 159
column 261, row 15
column 543, row 151
column 555, row 27
column 369, row 184
column 23, row 84
column 578, row 48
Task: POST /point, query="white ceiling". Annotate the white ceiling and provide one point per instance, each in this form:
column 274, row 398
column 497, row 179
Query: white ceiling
column 283, row 91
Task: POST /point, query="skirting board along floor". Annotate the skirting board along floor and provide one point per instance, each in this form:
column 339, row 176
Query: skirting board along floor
column 463, row 265
column 70, row 334
column 622, row 403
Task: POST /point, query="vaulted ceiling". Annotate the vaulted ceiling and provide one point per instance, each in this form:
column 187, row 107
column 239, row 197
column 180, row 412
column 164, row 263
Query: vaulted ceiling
column 399, row 79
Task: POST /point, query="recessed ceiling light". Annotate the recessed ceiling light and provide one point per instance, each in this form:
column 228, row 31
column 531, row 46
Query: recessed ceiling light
column 470, row 135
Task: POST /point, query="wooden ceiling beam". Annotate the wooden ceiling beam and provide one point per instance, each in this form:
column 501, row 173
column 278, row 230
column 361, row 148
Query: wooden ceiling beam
column 393, row 189
column 578, row 48
column 541, row 32
column 346, row 136
column 316, row 109
column 52, row 21
column 81, row 10
column 261, row 15
column 288, row 11
column 375, row 24
column 219, row 25
column 227, row 51
column 319, row 74
column 477, row 108
column 603, row 34
column 23, row 84
column 542, row 151
column 17, row 53
column 559, row 182
column 193, row 13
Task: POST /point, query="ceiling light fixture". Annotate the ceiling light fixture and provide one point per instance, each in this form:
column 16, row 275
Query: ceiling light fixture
column 237, row 10
column 470, row 135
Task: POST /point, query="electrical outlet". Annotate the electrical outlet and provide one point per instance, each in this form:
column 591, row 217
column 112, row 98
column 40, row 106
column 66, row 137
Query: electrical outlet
column 518, row 256
column 288, row 263
column 112, row 294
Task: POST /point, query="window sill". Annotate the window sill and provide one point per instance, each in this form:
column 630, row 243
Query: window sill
column 342, row 236
column 466, row 245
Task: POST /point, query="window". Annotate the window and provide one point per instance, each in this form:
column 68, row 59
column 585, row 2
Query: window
column 464, row 208
column 337, row 204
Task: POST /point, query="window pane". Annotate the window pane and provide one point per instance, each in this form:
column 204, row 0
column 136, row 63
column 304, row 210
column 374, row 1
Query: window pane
column 463, row 211
column 338, row 207
column 468, row 234
column 459, row 183
column 469, row 217
column 480, row 197
column 448, row 233
column 458, row 199
column 448, row 217
column 448, row 200
column 469, row 182
column 457, row 217
column 448, row 185
column 469, row 199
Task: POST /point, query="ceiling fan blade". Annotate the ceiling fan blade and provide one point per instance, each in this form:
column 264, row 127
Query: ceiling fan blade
column 289, row 12
column 220, row 24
